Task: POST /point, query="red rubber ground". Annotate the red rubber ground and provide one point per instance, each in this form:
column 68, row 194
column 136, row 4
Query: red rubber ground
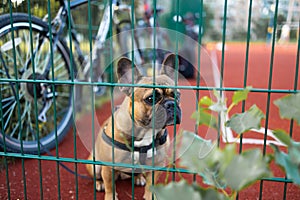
column 258, row 75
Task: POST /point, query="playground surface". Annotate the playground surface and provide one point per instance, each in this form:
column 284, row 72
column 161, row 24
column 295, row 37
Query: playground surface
column 233, row 67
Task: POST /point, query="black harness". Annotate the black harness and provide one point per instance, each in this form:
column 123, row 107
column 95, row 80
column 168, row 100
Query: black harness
column 143, row 149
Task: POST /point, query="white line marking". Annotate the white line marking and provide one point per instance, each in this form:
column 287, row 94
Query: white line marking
column 227, row 132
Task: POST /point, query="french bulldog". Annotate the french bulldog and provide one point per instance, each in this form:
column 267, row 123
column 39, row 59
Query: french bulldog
column 138, row 125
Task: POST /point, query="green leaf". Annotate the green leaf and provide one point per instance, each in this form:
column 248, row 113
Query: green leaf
column 194, row 151
column 182, row 190
column 220, row 106
column 294, row 152
column 206, row 101
column 204, row 118
column 243, row 122
column 202, row 157
column 211, row 176
column 290, row 162
column 222, row 168
column 246, row 168
column 239, row 96
column 228, row 153
column 282, row 136
column 175, row 191
column 289, row 107
column 209, row 193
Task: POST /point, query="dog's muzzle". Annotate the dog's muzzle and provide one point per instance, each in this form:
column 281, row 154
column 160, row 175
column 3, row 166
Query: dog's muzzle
column 173, row 112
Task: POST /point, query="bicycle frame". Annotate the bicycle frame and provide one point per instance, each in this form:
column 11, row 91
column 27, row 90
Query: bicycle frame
column 64, row 17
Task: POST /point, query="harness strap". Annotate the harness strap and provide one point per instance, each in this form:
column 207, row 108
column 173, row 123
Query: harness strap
column 143, row 149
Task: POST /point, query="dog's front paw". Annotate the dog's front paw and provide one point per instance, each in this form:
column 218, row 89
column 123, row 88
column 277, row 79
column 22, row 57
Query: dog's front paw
column 109, row 196
column 99, row 186
column 140, row 180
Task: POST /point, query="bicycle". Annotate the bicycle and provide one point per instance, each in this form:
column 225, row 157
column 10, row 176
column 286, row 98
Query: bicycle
column 36, row 107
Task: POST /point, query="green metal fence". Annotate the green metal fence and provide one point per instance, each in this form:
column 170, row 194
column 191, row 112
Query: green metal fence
column 59, row 90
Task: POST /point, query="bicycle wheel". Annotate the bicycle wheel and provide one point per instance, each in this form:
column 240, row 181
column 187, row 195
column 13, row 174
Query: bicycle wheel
column 34, row 114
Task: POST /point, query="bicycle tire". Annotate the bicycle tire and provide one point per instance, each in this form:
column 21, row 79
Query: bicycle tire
column 21, row 130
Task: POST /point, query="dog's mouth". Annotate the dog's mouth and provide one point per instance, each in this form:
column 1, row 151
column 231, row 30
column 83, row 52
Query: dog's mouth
column 166, row 114
column 173, row 113
column 174, row 117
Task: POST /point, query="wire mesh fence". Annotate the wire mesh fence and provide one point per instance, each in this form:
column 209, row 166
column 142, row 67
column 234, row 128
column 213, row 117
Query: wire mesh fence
column 59, row 61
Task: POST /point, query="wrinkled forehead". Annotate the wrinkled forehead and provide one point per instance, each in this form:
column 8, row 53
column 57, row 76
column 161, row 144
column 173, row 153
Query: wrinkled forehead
column 159, row 80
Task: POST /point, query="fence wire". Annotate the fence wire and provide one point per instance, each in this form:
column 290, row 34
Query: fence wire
column 53, row 93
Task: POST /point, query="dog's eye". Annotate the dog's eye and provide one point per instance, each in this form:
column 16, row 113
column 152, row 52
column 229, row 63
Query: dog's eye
column 153, row 98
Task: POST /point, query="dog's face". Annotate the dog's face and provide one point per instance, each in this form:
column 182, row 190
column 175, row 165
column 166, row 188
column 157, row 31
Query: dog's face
column 162, row 102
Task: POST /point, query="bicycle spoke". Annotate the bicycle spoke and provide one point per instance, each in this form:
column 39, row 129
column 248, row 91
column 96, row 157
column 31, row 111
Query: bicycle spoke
column 33, row 133
column 31, row 48
column 42, row 50
column 8, row 57
column 4, row 100
column 7, row 102
column 62, row 76
column 29, row 126
column 60, row 65
column 26, row 110
column 20, row 122
column 10, row 114
column 19, row 58
column 3, row 88
column 14, row 130
column 9, row 110
column 26, row 113
column 27, row 42
column 37, row 51
column 42, row 65
column 9, row 53
column 2, row 72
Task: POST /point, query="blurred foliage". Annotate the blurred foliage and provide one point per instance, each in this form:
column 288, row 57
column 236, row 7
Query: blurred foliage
column 290, row 161
column 260, row 28
column 225, row 171
column 289, row 107
column 37, row 8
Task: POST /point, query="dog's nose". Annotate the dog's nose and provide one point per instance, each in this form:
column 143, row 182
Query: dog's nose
column 170, row 107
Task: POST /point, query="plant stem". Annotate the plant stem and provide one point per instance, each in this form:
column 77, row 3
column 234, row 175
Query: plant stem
column 230, row 107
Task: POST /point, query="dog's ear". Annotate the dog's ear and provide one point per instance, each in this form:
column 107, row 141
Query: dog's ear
column 169, row 65
column 124, row 73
